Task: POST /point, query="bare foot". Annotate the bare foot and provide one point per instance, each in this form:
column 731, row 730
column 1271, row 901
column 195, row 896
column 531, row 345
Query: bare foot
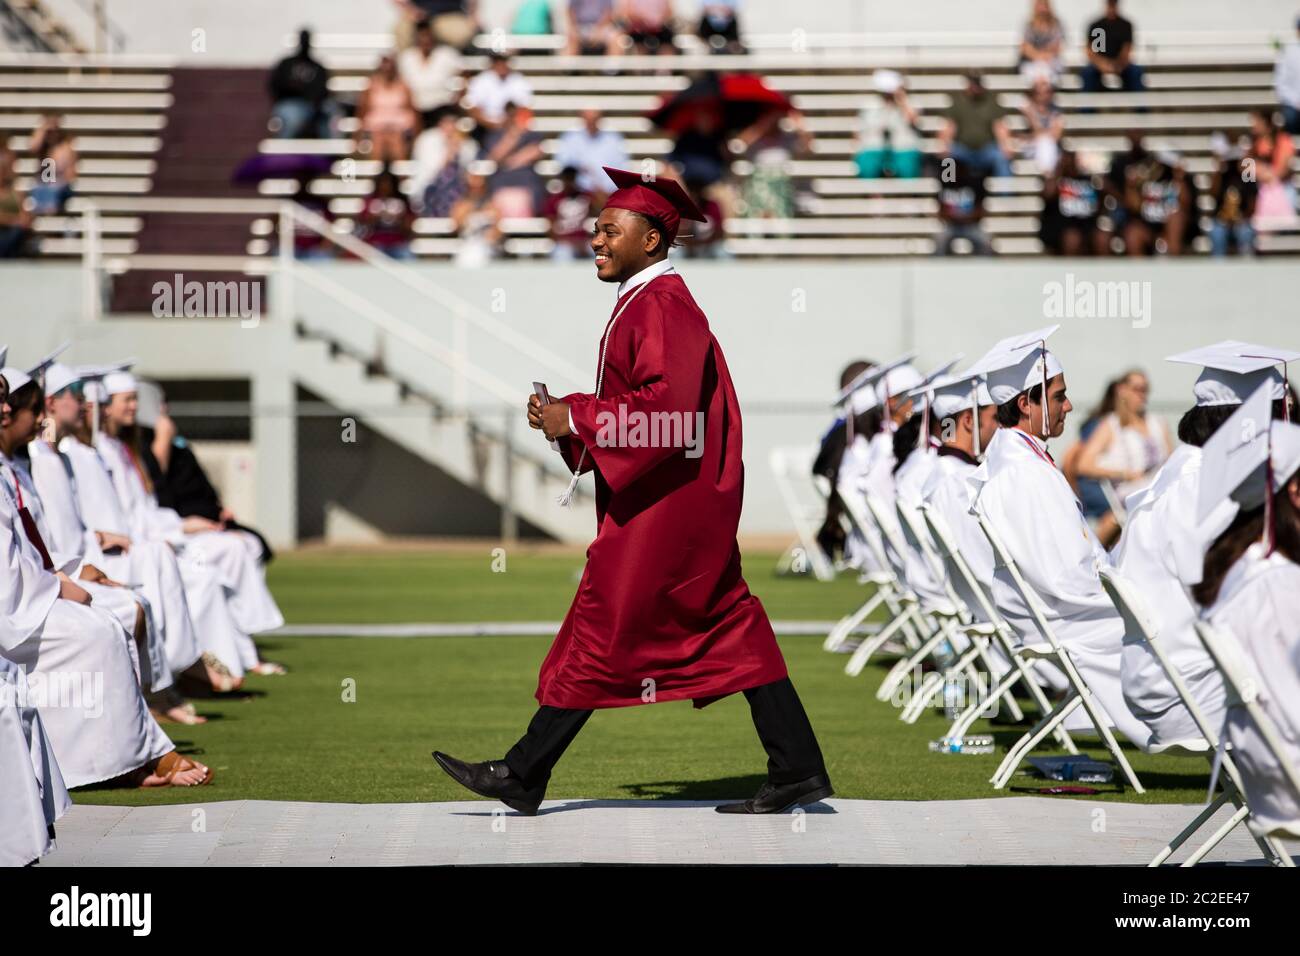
column 172, row 769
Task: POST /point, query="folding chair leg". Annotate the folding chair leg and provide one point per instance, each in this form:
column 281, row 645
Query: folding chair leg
column 1198, row 821
column 1280, row 856
column 932, row 685
column 846, row 625
column 1108, row 738
column 869, row 646
column 1012, row 706
column 1031, row 739
column 1217, row 838
column 903, row 666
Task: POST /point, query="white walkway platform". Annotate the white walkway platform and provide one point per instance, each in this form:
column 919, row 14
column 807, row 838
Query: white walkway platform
column 1011, row 830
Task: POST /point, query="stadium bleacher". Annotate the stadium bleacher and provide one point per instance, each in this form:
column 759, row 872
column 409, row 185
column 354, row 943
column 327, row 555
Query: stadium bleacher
column 1198, row 83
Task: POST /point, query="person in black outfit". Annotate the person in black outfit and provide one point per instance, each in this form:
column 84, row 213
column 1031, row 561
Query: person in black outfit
column 180, row 482
column 299, row 88
column 831, row 535
column 1071, row 207
column 1108, row 44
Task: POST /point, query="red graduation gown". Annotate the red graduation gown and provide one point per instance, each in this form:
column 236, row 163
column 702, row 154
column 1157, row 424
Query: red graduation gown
column 662, row 606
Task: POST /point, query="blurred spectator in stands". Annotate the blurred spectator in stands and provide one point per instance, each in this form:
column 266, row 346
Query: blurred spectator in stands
column 301, row 106
column 489, row 92
column 1109, row 48
column 1159, row 200
column 56, row 167
column 648, row 26
column 454, row 22
column 388, row 120
column 475, row 219
column 706, row 238
column 975, row 133
column 588, row 148
column 440, row 156
column 1125, row 448
column 961, row 210
column 720, row 26
column 307, row 242
column 15, row 219
column 1071, row 205
column 888, row 141
column 1235, row 191
column 590, row 28
column 569, row 209
column 532, row 19
column 1046, row 124
column 515, row 187
column 771, row 145
column 1273, row 150
column 386, row 218
column 1040, row 46
column 700, row 153
column 1092, row 500
column 431, row 71
column 1286, row 83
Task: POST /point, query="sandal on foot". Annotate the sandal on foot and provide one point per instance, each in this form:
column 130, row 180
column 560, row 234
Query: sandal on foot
column 268, row 668
column 169, row 765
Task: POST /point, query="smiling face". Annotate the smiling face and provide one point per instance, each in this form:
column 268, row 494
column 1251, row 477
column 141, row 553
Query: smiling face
column 624, row 243
column 120, row 410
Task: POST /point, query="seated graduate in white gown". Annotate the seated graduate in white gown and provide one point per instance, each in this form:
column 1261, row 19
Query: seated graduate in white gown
column 197, row 624
column 864, row 465
column 1026, row 499
column 1163, row 544
column 76, row 552
column 253, row 607
column 78, row 665
column 33, row 795
column 1250, row 591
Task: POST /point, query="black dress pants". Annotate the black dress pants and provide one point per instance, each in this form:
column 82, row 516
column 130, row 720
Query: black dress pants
column 777, row 712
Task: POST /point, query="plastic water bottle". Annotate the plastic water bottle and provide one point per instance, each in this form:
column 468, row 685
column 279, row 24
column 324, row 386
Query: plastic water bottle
column 951, row 698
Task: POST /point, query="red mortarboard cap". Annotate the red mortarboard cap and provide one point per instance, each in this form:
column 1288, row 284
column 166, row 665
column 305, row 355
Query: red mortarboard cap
column 661, row 197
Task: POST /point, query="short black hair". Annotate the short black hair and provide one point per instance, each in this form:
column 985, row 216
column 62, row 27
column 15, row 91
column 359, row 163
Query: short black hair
column 1008, row 413
column 654, row 222
column 1201, row 421
column 30, row 397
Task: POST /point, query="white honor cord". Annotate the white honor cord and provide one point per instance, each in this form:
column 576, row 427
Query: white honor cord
column 567, row 498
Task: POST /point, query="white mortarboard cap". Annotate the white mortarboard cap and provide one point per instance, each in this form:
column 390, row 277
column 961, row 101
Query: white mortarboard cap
column 1234, row 370
column 862, row 391
column 953, row 394
column 920, row 393
column 117, row 382
column 1017, row 364
column 1237, row 449
column 898, row 381
column 94, row 391
column 58, row 377
column 16, row 377
column 886, row 81
column 37, row 371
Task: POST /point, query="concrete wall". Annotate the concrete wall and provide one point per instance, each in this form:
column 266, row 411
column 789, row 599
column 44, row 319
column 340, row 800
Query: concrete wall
column 786, row 330
column 167, row 26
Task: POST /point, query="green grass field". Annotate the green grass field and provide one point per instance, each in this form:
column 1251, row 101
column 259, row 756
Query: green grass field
column 295, row 738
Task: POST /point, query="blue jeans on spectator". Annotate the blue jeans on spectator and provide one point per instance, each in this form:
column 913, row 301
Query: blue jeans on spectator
column 1242, row 232
column 48, row 198
column 300, row 120
column 1130, row 77
column 988, row 159
column 1291, row 118
column 11, row 241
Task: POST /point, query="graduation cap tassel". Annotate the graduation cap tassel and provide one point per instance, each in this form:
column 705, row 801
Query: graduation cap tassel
column 1042, row 358
column 566, row 499
column 1270, row 538
column 975, row 415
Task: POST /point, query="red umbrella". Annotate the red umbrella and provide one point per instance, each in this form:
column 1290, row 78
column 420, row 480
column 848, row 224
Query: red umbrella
column 716, row 103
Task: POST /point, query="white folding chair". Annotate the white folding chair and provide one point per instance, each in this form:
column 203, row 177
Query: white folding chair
column 1138, row 623
column 979, row 635
column 902, row 604
column 1053, row 650
column 786, row 463
column 1021, row 669
column 1243, row 691
column 1114, row 502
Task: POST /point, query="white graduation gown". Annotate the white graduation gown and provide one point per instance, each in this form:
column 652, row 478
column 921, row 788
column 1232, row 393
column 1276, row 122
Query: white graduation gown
column 32, row 792
column 189, row 590
column 78, row 666
column 1161, row 552
column 237, row 566
column 922, row 578
column 1259, row 606
column 1032, row 507
column 860, row 547
column 123, row 603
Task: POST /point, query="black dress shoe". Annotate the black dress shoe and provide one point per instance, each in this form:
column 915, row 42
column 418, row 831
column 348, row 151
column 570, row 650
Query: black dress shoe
column 492, row 778
column 773, row 799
